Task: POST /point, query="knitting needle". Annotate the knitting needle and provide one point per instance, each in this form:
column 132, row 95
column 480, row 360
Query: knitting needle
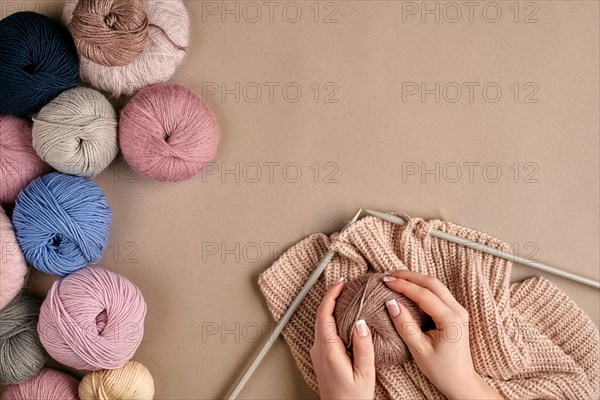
column 287, row 316
column 495, row 252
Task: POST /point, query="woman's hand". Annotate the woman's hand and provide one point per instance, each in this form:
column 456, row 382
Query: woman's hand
column 442, row 354
column 338, row 376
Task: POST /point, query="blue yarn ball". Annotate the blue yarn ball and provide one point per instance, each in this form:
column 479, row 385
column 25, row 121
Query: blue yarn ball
column 62, row 223
column 38, row 60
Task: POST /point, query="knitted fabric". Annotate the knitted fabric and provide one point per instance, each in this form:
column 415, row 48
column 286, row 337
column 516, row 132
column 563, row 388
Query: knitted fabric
column 528, row 339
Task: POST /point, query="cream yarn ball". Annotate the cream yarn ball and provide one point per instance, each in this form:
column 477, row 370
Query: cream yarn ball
column 133, row 381
column 76, row 133
column 165, row 47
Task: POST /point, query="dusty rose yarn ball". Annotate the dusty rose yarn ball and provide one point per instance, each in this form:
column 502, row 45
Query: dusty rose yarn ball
column 46, row 385
column 19, row 163
column 167, row 133
column 13, row 268
column 92, row 319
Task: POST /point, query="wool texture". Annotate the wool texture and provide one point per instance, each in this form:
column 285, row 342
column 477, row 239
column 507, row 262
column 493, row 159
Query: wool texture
column 168, row 133
column 19, row 163
column 111, row 33
column 76, row 133
column 364, row 298
column 38, row 60
column 47, row 385
column 528, row 339
column 166, row 45
column 92, row 319
column 21, row 353
column 62, row 223
column 133, row 381
column 13, row 269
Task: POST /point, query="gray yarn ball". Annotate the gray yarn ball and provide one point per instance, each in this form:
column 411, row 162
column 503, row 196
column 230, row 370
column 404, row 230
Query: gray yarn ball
column 76, row 133
column 21, row 353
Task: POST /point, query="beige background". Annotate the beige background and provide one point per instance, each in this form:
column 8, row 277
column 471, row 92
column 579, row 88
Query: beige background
column 195, row 248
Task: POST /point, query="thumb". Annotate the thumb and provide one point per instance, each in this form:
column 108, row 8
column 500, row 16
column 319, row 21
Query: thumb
column 362, row 350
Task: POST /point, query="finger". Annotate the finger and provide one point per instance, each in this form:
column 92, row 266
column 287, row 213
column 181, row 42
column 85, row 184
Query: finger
column 362, row 350
column 439, row 311
column 408, row 329
column 325, row 327
column 431, row 283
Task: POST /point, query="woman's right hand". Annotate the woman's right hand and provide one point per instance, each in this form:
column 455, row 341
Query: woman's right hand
column 442, row 354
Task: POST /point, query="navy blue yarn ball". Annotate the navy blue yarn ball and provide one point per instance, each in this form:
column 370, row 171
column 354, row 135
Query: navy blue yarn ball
column 38, row 60
column 62, row 223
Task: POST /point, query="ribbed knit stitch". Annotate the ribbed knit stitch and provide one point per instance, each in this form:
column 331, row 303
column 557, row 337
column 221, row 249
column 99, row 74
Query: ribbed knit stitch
column 528, row 339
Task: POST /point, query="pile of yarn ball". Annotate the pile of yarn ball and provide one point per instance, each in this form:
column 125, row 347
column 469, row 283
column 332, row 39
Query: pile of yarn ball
column 62, row 223
column 133, row 381
column 168, row 133
column 364, row 298
column 46, row 385
column 38, row 60
column 112, row 60
column 92, row 319
column 13, row 269
column 19, row 163
column 76, row 133
column 21, row 353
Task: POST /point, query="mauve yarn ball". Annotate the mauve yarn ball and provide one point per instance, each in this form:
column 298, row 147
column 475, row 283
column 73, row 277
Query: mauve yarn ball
column 165, row 47
column 13, row 269
column 132, row 381
column 92, row 319
column 62, row 223
column 110, row 32
column 76, row 133
column 19, row 163
column 47, row 385
column 364, row 298
column 167, row 133
column 21, row 353
column 38, row 60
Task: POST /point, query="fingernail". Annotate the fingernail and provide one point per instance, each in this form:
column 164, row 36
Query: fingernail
column 389, row 279
column 361, row 328
column 393, row 308
column 342, row 279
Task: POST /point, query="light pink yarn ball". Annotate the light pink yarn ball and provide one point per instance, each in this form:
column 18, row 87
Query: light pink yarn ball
column 166, row 45
column 92, row 319
column 46, row 385
column 13, row 268
column 19, row 164
column 168, row 133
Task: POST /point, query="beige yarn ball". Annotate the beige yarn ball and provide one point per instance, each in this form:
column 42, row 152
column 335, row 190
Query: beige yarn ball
column 133, row 381
column 76, row 133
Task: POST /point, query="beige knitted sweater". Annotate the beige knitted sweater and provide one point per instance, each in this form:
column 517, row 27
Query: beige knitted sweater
column 528, row 339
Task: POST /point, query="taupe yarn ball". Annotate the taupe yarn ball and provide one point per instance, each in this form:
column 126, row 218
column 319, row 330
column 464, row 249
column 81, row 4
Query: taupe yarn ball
column 76, row 133
column 364, row 298
column 21, row 352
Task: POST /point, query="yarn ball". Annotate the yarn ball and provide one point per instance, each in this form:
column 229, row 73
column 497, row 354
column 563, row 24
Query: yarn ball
column 62, row 223
column 92, row 319
column 38, row 60
column 76, row 133
column 168, row 133
column 165, row 47
column 47, row 385
column 133, row 381
column 364, row 298
column 19, row 163
column 21, row 353
column 13, row 268
column 110, row 33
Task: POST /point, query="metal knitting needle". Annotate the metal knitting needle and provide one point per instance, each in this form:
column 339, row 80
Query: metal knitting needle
column 287, row 316
column 495, row 252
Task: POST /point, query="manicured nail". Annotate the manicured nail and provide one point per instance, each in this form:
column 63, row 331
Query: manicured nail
column 361, row 328
column 389, row 279
column 393, row 308
column 342, row 279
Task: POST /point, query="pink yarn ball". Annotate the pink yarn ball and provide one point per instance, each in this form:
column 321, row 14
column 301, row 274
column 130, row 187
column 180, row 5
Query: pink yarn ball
column 13, row 268
column 46, row 385
column 168, row 133
column 19, row 164
column 92, row 319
